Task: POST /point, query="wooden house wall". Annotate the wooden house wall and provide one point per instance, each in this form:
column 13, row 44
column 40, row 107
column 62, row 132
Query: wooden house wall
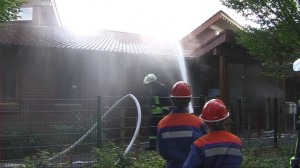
column 243, row 79
column 48, row 73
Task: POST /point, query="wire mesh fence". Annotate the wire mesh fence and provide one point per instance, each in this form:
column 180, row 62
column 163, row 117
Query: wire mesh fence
column 29, row 126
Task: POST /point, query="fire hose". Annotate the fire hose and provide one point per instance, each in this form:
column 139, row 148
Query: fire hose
column 138, row 124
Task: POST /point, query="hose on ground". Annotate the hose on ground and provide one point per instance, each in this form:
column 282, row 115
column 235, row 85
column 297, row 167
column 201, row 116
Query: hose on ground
column 94, row 126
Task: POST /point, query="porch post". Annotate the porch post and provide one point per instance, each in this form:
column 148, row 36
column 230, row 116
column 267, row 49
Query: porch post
column 223, row 85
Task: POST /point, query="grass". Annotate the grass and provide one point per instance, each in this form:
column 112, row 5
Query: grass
column 264, row 157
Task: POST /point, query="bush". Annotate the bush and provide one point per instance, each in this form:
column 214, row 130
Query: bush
column 112, row 156
column 23, row 143
column 39, row 160
column 149, row 159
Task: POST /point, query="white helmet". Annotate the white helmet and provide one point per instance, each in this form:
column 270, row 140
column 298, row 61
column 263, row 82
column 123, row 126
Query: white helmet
column 296, row 65
column 149, row 78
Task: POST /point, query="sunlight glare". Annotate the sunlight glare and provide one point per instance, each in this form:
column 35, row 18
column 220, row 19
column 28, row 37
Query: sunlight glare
column 158, row 18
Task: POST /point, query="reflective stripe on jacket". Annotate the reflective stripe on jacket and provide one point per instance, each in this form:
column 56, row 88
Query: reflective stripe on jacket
column 175, row 134
column 158, row 110
column 214, row 150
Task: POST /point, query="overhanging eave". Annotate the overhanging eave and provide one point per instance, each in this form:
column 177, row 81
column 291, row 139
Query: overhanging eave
column 224, row 37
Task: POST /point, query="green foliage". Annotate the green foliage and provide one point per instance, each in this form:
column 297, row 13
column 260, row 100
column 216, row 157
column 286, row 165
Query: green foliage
column 274, row 54
column 149, row 159
column 76, row 129
column 9, row 9
column 275, row 39
column 111, row 156
column 22, row 140
column 267, row 157
column 266, row 13
column 40, row 160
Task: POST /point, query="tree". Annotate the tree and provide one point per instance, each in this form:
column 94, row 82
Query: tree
column 9, row 9
column 275, row 38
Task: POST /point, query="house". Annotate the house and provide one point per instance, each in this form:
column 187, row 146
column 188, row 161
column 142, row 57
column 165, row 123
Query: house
column 42, row 61
column 219, row 67
column 45, row 68
column 50, row 77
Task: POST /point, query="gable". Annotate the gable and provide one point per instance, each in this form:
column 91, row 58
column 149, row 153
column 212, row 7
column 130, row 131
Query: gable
column 209, row 30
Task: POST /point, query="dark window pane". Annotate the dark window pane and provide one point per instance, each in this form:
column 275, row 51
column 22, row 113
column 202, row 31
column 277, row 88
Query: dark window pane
column 8, row 80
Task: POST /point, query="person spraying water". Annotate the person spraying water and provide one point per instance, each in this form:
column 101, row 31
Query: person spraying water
column 295, row 160
column 158, row 104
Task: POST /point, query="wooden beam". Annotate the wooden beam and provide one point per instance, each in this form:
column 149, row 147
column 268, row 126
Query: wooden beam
column 223, row 80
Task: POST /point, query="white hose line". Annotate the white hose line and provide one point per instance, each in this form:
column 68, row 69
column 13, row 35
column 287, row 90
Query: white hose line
column 94, row 126
column 138, row 123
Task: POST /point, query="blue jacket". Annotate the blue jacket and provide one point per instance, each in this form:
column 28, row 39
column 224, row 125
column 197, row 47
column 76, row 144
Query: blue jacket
column 176, row 132
column 214, row 150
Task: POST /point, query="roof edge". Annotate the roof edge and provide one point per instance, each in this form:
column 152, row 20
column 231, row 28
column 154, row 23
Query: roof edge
column 219, row 15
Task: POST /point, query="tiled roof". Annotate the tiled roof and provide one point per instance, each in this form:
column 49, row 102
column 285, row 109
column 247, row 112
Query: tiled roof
column 110, row 41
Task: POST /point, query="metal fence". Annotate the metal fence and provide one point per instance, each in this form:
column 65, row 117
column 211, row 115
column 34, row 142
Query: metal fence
column 29, row 126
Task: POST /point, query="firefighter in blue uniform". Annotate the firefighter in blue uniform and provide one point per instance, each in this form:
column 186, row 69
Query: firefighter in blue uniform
column 178, row 130
column 295, row 160
column 218, row 148
column 159, row 105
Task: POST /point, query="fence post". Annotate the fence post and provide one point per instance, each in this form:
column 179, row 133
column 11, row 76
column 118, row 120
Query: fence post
column 275, row 122
column 240, row 114
column 138, row 144
column 99, row 121
column 1, row 131
column 122, row 125
column 268, row 112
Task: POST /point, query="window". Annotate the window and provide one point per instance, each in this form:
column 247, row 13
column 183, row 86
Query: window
column 7, row 80
column 69, row 82
column 25, row 14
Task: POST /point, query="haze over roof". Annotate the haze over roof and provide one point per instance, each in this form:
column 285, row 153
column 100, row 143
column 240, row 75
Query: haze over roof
column 110, row 41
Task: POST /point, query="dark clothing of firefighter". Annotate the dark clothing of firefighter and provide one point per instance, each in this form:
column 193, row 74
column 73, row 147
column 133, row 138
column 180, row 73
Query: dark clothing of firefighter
column 177, row 131
column 297, row 115
column 159, row 105
column 219, row 147
column 295, row 160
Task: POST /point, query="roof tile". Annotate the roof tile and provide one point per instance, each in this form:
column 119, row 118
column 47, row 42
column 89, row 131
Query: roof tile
column 111, row 41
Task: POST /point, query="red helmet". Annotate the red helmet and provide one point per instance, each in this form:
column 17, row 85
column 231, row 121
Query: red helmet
column 181, row 90
column 214, row 111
